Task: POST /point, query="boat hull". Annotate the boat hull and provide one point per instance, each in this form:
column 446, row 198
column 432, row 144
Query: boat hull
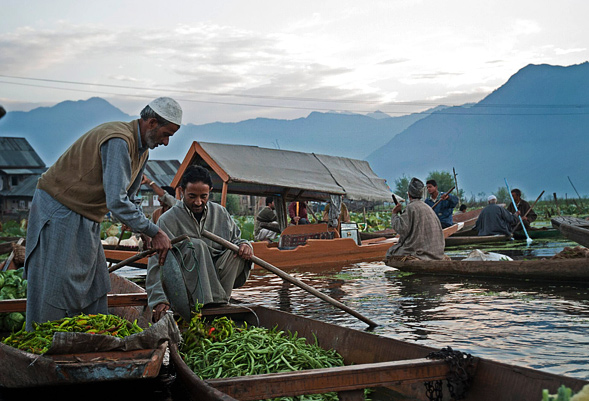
column 540, row 269
column 397, row 368
column 573, row 228
column 20, row 369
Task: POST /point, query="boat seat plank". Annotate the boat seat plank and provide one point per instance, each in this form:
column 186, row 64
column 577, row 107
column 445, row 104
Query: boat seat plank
column 338, row 379
column 114, row 300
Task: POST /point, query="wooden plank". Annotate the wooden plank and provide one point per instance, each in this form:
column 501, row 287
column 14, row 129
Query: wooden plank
column 114, row 300
column 345, row 378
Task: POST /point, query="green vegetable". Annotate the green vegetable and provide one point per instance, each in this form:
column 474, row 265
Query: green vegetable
column 13, row 321
column 39, row 339
column 221, row 349
column 563, row 394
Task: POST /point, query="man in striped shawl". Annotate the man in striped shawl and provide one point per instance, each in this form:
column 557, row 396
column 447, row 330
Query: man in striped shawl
column 64, row 263
column 420, row 231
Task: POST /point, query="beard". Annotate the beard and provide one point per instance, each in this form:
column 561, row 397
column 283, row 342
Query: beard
column 151, row 138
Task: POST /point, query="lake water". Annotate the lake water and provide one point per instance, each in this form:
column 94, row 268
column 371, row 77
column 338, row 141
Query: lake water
column 542, row 325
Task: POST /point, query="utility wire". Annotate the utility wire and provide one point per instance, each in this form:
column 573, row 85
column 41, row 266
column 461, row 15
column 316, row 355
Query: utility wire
column 301, row 99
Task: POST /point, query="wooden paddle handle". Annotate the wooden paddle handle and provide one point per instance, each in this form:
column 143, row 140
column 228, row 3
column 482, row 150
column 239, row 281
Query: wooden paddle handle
column 439, row 200
column 289, row 278
column 143, row 254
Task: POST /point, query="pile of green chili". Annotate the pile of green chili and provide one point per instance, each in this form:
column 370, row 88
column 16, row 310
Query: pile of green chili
column 220, row 349
column 38, row 341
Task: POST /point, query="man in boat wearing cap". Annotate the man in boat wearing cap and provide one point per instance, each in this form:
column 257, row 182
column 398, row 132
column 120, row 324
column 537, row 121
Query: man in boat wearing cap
column 209, row 270
column 419, row 228
column 494, row 219
column 101, row 171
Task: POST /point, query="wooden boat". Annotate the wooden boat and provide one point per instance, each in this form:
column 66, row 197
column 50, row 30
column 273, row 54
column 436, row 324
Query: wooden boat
column 573, row 228
column 455, row 240
column 395, row 369
column 20, row 369
column 537, row 233
column 538, row 269
column 306, row 246
column 468, row 218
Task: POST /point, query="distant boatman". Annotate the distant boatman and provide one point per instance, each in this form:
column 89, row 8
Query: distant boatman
column 494, row 219
column 65, row 263
column 522, row 207
column 445, row 207
column 420, row 231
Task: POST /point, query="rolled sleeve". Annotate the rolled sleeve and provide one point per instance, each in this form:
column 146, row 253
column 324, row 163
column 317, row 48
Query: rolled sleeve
column 116, row 176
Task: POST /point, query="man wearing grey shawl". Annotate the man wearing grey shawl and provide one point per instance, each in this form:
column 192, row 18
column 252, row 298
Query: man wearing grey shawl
column 209, row 270
column 419, row 228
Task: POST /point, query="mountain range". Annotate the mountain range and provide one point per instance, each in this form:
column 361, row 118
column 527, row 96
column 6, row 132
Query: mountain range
column 531, row 131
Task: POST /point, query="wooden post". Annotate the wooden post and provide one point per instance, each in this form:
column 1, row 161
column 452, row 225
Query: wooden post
column 556, row 203
column 224, row 194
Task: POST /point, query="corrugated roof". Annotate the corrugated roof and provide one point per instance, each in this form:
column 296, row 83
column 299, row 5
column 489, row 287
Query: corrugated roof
column 161, row 171
column 18, row 153
column 24, row 189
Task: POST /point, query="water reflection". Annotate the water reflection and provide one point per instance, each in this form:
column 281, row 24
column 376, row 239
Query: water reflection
column 542, row 325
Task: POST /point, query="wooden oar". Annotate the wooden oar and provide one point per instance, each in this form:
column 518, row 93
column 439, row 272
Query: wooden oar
column 439, row 200
column 289, row 278
column 143, row 254
column 529, row 210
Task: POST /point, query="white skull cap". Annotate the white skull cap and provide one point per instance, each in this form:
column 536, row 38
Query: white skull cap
column 167, row 108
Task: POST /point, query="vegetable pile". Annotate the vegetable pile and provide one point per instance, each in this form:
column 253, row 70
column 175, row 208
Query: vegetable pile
column 566, row 394
column 39, row 340
column 221, row 349
column 12, row 286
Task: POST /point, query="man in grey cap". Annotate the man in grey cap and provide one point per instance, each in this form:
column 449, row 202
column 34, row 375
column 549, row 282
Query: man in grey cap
column 494, row 219
column 64, row 263
column 419, row 229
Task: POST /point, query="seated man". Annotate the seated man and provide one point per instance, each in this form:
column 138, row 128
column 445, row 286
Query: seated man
column 210, row 271
column 297, row 211
column 522, row 207
column 446, row 205
column 495, row 220
column 419, row 228
column 266, row 225
column 344, row 215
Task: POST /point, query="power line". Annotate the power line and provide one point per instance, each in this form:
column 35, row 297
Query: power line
column 301, row 99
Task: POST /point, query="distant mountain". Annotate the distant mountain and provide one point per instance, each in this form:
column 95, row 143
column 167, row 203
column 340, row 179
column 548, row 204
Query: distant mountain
column 51, row 130
column 533, row 131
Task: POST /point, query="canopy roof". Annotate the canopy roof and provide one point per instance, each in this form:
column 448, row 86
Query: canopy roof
column 252, row 170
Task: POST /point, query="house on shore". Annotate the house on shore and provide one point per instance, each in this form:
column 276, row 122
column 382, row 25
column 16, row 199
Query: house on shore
column 20, row 168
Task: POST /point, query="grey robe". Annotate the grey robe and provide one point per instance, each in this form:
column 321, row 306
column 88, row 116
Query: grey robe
column 420, row 233
column 495, row 220
column 210, row 271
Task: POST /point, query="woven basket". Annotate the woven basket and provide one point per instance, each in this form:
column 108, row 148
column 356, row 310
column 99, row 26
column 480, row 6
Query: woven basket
column 19, row 254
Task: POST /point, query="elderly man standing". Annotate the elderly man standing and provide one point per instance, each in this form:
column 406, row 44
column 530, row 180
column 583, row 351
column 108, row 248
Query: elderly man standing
column 420, row 231
column 495, row 220
column 65, row 264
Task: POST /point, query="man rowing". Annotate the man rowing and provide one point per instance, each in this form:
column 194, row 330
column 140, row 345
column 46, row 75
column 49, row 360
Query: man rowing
column 420, row 231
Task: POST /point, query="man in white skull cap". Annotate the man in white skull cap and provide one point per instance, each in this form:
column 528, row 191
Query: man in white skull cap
column 494, row 219
column 64, row 263
column 420, row 231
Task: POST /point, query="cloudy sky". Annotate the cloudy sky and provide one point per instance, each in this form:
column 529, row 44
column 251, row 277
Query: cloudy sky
column 230, row 60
